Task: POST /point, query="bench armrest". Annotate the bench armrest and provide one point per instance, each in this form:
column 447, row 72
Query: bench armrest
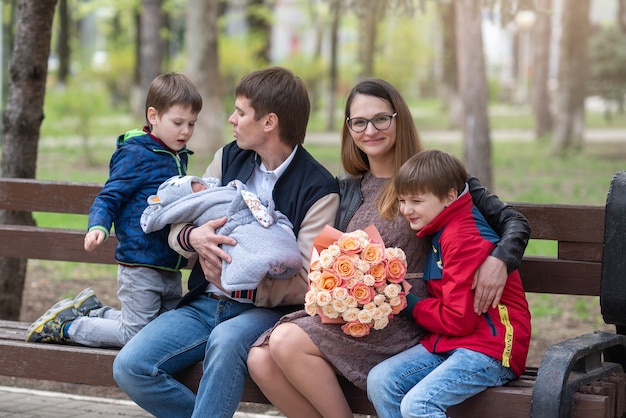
column 568, row 365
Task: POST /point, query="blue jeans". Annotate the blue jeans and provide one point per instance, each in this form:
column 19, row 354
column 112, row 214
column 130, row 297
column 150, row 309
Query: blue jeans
column 416, row 383
column 218, row 332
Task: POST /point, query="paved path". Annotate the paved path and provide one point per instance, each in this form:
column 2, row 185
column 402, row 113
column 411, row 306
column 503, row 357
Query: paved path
column 28, row 403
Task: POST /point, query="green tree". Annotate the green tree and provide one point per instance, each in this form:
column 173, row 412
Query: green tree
column 22, row 121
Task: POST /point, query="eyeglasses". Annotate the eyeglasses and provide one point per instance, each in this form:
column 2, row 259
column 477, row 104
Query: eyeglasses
column 380, row 122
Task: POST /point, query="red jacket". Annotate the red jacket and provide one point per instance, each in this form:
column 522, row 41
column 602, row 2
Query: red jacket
column 461, row 240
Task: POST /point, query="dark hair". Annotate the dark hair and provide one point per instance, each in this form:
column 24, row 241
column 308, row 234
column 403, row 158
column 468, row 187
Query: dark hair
column 167, row 90
column 431, row 171
column 277, row 90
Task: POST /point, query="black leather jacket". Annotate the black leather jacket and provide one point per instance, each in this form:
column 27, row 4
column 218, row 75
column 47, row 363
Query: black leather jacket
column 512, row 227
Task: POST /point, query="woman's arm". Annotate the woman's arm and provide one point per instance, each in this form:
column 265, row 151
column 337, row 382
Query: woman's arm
column 514, row 231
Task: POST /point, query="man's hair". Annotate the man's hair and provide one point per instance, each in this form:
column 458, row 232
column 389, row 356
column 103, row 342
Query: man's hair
column 167, row 90
column 277, row 90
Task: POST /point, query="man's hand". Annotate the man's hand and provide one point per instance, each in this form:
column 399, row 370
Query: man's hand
column 207, row 244
column 488, row 284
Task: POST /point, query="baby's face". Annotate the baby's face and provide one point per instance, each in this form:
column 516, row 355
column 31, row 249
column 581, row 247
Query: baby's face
column 197, row 187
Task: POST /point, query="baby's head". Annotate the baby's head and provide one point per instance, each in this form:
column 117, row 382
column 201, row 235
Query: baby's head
column 177, row 187
column 197, row 185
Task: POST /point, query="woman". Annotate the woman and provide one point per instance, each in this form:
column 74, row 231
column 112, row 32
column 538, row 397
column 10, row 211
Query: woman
column 377, row 138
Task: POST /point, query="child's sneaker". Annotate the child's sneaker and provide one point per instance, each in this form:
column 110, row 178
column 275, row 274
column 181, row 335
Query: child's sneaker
column 86, row 301
column 49, row 327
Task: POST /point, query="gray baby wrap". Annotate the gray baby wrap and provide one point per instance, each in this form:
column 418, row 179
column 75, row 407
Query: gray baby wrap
column 266, row 244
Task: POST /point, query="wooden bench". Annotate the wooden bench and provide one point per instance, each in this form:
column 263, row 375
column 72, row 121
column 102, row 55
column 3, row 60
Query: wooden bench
column 580, row 377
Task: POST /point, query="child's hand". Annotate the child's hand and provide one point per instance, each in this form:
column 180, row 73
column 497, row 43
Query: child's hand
column 93, row 239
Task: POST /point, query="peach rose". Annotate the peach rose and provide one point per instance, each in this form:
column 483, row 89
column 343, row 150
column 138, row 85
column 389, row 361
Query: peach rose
column 362, row 293
column 372, row 253
column 328, row 280
column 379, row 271
column 396, row 270
column 349, row 244
column 344, row 267
column 355, row 329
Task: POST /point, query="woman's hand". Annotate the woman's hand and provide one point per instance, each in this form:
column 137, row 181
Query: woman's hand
column 488, row 284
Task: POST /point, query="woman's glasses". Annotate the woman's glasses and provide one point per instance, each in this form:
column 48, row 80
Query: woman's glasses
column 380, row 122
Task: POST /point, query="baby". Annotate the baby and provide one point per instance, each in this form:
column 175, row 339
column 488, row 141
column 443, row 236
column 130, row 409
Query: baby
column 252, row 223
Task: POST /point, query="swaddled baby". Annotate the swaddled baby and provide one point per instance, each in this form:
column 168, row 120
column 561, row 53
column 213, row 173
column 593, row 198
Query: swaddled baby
column 266, row 244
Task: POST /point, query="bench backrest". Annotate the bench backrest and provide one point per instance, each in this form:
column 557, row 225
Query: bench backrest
column 579, row 232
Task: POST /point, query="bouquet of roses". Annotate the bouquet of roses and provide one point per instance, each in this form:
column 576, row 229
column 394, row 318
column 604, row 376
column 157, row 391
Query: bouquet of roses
column 355, row 280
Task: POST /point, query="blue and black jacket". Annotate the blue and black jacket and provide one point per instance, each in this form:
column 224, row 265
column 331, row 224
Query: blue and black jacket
column 140, row 163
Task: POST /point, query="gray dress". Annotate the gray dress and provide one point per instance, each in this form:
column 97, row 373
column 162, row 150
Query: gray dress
column 354, row 357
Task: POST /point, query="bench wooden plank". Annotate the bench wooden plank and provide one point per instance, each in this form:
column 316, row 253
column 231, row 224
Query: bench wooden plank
column 47, row 196
column 53, row 244
column 575, row 223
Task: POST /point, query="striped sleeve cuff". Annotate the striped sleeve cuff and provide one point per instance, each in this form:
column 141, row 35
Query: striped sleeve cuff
column 183, row 238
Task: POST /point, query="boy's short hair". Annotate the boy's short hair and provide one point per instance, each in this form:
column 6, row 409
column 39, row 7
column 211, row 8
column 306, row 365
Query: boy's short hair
column 277, row 90
column 431, row 171
column 169, row 89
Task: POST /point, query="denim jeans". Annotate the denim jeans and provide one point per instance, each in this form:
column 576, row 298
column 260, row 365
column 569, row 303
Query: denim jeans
column 143, row 292
column 416, row 383
column 218, row 332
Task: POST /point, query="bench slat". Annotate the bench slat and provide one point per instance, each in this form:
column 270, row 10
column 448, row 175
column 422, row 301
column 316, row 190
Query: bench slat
column 575, row 223
column 47, row 196
column 52, row 244
column 547, row 275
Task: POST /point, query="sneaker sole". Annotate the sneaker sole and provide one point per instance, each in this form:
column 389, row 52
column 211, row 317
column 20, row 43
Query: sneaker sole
column 37, row 326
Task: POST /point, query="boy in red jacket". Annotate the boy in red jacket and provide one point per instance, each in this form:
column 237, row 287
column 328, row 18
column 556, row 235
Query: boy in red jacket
column 463, row 353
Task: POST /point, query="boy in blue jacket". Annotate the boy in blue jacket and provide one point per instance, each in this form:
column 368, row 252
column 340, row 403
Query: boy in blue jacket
column 149, row 278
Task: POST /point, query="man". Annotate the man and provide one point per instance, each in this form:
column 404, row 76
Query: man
column 269, row 124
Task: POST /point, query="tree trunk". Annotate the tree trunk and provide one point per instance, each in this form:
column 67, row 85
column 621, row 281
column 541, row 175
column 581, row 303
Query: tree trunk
column 372, row 12
column 473, row 90
column 541, row 59
column 201, row 40
column 621, row 15
column 573, row 73
column 151, row 47
column 22, row 121
column 63, row 42
column 449, row 80
column 335, row 8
